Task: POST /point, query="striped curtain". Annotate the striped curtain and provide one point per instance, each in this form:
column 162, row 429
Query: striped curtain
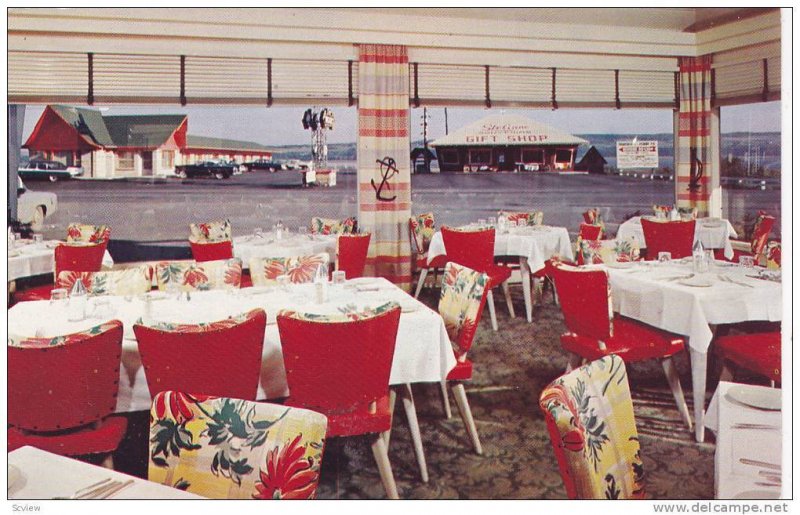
column 384, row 175
column 693, row 154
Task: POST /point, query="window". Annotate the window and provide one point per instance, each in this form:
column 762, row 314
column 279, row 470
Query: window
column 125, row 161
column 480, row 157
column 167, row 158
column 532, row 156
column 448, row 156
column 563, row 156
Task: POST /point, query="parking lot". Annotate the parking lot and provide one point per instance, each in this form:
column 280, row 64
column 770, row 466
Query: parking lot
column 159, row 211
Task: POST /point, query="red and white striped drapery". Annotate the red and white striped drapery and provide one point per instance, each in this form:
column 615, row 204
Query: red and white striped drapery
column 693, row 154
column 383, row 137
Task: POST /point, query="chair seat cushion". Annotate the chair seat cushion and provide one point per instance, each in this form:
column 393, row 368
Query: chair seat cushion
column 356, row 422
column 497, row 275
column 90, row 440
column 36, row 293
column 632, row 341
column 759, row 353
column 461, row 372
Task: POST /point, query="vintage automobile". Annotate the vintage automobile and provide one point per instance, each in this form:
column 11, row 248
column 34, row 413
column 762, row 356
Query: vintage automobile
column 51, row 170
column 215, row 169
column 34, row 206
column 263, row 164
column 296, row 164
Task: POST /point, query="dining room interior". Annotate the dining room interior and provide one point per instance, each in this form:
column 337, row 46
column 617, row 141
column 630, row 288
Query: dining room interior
column 535, row 255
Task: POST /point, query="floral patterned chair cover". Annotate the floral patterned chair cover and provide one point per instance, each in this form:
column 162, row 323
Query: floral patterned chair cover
column 86, row 233
column 208, row 232
column 333, row 226
column 224, row 448
column 607, row 251
column 347, row 313
column 461, row 304
column 772, row 253
column 129, row 281
column 300, row 269
column 532, row 217
column 224, row 274
column 592, row 217
column 662, row 210
column 589, row 415
column 423, row 227
column 15, row 340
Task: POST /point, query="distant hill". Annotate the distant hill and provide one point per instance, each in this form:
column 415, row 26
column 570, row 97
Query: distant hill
column 734, row 144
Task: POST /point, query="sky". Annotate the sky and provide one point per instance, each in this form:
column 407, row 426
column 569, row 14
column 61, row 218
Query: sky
column 277, row 126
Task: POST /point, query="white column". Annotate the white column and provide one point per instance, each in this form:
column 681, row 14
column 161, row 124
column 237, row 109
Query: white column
column 715, row 190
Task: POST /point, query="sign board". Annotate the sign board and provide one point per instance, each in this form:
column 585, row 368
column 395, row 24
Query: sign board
column 637, row 154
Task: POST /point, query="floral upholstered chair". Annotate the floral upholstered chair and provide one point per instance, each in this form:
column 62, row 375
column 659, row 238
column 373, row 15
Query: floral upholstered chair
column 531, row 218
column 224, row 448
column 421, row 229
column 299, row 269
column 86, row 233
column 333, row 226
column 589, row 415
column 129, row 281
column 591, row 252
column 218, row 230
column 592, row 217
column 756, row 246
column 662, row 210
column 461, row 304
column 225, row 274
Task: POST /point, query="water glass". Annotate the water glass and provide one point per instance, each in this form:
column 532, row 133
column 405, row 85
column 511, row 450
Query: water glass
column 259, row 232
column 339, row 277
column 746, row 261
column 710, row 258
column 664, row 257
column 58, row 294
column 482, row 222
column 492, row 221
column 38, row 238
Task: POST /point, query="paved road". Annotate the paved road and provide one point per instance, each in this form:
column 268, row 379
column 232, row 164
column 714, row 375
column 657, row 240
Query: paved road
column 161, row 211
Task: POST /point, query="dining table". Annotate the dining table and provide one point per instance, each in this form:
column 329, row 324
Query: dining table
column 673, row 297
column 533, row 245
column 747, row 421
column 268, row 245
column 28, row 258
column 34, row 474
column 713, row 233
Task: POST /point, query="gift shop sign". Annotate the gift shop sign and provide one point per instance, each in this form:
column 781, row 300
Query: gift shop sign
column 637, row 154
column 505, row 133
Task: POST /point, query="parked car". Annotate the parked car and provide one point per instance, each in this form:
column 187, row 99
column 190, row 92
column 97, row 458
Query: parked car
column 263, row 164
column 52, row 170
column 206, row 169
column 296, row 164
column 34, row 206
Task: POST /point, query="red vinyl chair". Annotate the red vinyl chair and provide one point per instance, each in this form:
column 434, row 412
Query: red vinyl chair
column 594, row 331
column 590, row 232
column 71, row 258
column 61, row 395
column 759, row 353
column 676, row 238
column 220, row 358
column 211, row 251
column 475, row 250
column 755, row 247
column 341, row 369
column 351, row 254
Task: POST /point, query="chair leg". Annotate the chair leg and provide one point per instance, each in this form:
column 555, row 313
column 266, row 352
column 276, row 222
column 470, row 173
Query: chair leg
column 573, row 362
column 466, row 415
column 510, row 304
column 381, row 455
column 108, row 462
column 726, row 374
column 413, row 427
column 445, row 399
column 387, row 435
column 423, row 274
column 675, row 385
column 492, row 315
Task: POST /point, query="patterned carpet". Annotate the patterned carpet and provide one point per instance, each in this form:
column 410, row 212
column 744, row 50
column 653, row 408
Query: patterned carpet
column 511, row 368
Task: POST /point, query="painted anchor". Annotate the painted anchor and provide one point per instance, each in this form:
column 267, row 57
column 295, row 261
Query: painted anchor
column 388, row 170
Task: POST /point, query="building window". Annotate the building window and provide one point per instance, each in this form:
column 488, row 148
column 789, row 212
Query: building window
column 563, row 156
column 532, row 156
column 480, row 157
column 448, row 157
column 125, row 161
column 167, row 158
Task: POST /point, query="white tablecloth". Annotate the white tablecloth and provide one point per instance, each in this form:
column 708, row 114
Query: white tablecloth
column 712, row 233
column 27, row 260
column 422, row 354
column 250, row 246
column 537, row 244
column 731, row 476
column 45, row 475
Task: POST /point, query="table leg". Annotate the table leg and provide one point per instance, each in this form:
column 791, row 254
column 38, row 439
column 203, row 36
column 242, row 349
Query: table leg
column 525, row 275
column 699, row 363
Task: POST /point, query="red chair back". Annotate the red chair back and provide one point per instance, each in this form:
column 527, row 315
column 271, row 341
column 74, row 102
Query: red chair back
column 676, row 238
column 590, row 232
column 338, row 367
column 211, row 251
column 79, row 258
column 472, row 249
column 351, row 254
column 761, row 231
column 65, row 386
column 585, row 301
column 221, row 359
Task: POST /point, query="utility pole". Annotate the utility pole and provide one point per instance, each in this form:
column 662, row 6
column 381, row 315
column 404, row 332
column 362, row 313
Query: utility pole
column 424, row 127
column 446, row 132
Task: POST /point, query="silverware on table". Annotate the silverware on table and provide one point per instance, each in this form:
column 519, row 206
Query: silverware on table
column 99, row 490
column 755, row 426
column 759, row 463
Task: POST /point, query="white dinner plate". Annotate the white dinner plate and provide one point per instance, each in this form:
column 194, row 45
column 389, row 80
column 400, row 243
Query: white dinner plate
column 696, row 282
column 766, row 399
column 758, row 494
column 712, row 224
column 14, row 475
column 620, row 264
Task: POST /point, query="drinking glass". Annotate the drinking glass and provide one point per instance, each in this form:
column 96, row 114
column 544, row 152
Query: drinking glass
column 746, row 261
column 259, row 232
column 664, row 257
column 339, row 277
column 492, row 221
column 710, row 258
column 58, row 294
column 482, row 222
column 38, row 238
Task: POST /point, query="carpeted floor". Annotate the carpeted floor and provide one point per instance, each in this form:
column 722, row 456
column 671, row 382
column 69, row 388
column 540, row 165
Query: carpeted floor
column 511, row 368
